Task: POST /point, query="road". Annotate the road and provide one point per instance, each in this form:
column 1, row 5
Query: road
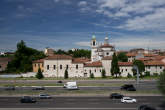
column 80, row 103
column 89, row 84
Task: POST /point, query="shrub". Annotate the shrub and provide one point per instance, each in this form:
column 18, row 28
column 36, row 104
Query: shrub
column 147, row 73
column 92, row 75
column 66, row 74
column 155, row 74
column 39, row 74
column 103, row 74
column 129, row 75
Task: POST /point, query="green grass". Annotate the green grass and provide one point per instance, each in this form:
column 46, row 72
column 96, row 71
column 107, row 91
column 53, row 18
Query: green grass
column 96, row 78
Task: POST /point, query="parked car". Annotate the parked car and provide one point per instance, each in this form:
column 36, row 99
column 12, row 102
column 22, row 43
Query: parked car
column 27, row 99
column 145, row 107
column 44, row 96
column 10, row 88
column 71, row 86
column 59, row 81
column 38, row 88
column 128, row 100
column 116, row 96
column 128, row 87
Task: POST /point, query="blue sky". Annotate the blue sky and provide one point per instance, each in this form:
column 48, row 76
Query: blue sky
column 66, row 24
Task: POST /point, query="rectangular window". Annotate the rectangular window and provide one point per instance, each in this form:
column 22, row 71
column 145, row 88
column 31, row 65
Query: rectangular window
column 125, row 69
column 60, row 66
column 76, row 66
column 160, row 67
column 95, row 70
column 148, row 67
column 42, row 65
column 35, row 65
column 47, row 67
column 38, row 65
column 54, row 67
column 100, row 70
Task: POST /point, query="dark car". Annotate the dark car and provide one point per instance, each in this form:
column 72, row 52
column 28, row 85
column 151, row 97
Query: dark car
column 10, row 88
column 27, row 99
column 59, row 82
column 145, row 107
column 116, row 96
column 39, row 88
column 128, row 87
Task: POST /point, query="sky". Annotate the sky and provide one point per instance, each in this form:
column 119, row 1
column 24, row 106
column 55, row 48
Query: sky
column 67, row 24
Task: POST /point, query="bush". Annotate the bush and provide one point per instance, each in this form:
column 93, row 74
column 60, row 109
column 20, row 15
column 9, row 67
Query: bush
column 66, row 74
column 147, row 73
column 39, row 74
column 103, row 74
column 155, row 74
column 129, row 75
column 92, row 75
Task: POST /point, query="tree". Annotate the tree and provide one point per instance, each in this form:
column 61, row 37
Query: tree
column 39, row 74
column 66, row 74
column 103, row 74
column 23, row 57
column 140, row 66
column 122, row 57
column 92, row 75
column 114, row 66
column 161, row 82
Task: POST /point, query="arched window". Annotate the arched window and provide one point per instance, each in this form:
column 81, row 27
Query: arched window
column 60, row 66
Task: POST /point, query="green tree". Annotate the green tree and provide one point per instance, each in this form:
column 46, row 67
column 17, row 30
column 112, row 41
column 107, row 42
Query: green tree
column 122, row 57
column 103, row 74
column 140, row 66
column 161, row 82
column 92, row 75
column 66, row 74
column 23, row 57
column 114, row 66
column 39, row 74
column 82, row 53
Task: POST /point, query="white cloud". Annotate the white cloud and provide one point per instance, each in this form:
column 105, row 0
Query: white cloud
column 84, row 44
column 82, row 3
column 140, row 42
column 148, row 22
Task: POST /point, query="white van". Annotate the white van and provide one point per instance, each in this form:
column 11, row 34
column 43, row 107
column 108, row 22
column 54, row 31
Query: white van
column 71, row 86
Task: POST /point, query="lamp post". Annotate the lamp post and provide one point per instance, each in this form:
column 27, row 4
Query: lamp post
column 136, row 68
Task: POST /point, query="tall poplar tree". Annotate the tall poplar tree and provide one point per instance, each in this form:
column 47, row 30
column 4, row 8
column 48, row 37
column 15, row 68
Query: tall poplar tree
column 114, row 66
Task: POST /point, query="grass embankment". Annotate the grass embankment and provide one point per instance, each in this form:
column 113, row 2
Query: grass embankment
column 96, row 78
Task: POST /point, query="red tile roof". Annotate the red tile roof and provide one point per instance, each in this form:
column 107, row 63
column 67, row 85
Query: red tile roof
column 5, row 59
column 107, row 58
column 39, row 61
column 106, row 46
column 125, row 63
column 59, row 57
column 131, row 54
column 93, row 64
column 80, row 60
column 154, row 63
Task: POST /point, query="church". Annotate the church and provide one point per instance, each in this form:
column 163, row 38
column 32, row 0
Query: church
column 101, row 57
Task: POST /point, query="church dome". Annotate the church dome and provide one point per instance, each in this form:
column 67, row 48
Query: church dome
column 93, row 37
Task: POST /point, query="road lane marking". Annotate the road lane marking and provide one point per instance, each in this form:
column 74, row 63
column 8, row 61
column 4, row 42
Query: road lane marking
column 68, row 108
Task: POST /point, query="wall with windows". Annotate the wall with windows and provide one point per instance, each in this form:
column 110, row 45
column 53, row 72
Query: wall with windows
column 107, row 66
column 95, row 70
column 125, row 70
column 56, row 68
column 154, row 69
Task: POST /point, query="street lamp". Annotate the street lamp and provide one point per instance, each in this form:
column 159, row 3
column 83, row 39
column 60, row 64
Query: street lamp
column 136, row 68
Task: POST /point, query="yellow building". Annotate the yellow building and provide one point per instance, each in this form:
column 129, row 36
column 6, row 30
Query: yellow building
column 38, row 64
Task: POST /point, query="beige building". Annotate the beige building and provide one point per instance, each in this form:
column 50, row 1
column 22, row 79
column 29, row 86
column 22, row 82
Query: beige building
column 4, row 62
column 38, row 64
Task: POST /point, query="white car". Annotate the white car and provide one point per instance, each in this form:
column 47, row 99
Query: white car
column 44, row 96
column 128, row 100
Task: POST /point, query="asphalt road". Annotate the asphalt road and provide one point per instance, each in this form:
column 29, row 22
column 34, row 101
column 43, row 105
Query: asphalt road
column 143, row 85
column 80, row 103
